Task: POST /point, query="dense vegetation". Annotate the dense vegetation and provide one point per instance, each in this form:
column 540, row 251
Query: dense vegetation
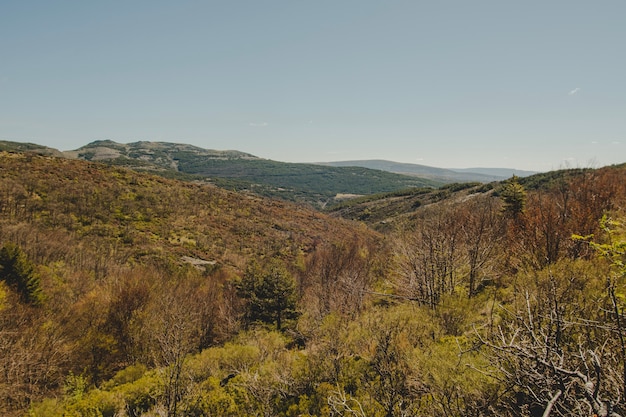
column 316, row 185
column 123, row 293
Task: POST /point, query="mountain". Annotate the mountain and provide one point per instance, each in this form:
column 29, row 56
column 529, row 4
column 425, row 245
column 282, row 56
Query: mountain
column 309, row 183
column 29, row 148
column 319, row 185
column 502, row 173
column 438, row 174
column 159, row 154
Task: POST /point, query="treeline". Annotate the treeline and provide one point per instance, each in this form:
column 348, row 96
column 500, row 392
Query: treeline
column 152, row 297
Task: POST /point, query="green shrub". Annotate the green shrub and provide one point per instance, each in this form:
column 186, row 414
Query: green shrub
column 96, row 404
column 127, row 375
column 141, row 395
column 49, row 407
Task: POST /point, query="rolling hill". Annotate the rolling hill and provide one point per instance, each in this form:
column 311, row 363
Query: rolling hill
column 159, row 217
column 438, row 174
column 319, row 184
column 383, row 211
column 126, row 293
column 309, row 183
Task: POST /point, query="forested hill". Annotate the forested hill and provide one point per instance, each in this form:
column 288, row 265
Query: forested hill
column 142, row 216
column 387, row 211
column 105, row 241
column 128, row 294
column 313, row 184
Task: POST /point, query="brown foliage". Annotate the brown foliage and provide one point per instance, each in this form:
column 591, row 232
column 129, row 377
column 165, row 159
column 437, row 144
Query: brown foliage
column 338, row 276
column 570, row 206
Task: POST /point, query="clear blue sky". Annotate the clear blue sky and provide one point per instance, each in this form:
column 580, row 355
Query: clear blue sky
column 522, row 84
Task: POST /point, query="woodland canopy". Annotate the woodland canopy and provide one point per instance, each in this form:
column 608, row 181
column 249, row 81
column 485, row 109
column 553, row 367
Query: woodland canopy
column 127, row 294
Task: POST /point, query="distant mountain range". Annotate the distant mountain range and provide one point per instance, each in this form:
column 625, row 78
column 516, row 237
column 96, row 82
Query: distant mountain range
column 437, row 174
column 317, row 184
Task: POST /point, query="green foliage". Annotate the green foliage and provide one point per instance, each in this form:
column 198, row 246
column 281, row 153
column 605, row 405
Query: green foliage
column 123, row 259
column 3, row 296
column 75, row 386
column 614, row 249
column 313, row 184
column 270, row 294
column 78, row 401
column 454, row 187
column 353, row 202
column 547, row 180
column 141, row 395
column 513, row 196
column 96, row 404
column 19, row 274
column 451, row 384
column 127, row 375
column 49, row 407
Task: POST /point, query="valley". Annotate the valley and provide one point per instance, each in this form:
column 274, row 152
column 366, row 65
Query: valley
column 124, row 292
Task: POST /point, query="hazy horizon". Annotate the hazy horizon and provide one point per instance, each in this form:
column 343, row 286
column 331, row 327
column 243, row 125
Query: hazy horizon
column 530, row 86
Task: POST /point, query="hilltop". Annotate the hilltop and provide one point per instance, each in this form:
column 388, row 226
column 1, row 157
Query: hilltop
column 319, row 185
column 309, row 183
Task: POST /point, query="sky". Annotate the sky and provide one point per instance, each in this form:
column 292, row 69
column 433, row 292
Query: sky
column 536, row 85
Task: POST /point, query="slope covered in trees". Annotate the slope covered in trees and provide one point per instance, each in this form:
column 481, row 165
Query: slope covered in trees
column 166, row 298
column 316, row 185
column 106, row 244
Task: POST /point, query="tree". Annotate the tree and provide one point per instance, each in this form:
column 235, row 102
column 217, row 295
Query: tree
column 429, row 257
column 19, row 274
column 482, row 233
column 269, row 293
column 554, row 349
column 514, row 198
column 129, row 296
column 172, row 330
column 338, row 275
column 615, row 251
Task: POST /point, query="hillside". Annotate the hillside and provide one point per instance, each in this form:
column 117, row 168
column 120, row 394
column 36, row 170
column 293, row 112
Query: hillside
column 94, row 233
column 483, row 175
column 126, row 293
column 129, row 294
column 28, row 147
column 313, row 184
column 150, row 215
column 382, row 211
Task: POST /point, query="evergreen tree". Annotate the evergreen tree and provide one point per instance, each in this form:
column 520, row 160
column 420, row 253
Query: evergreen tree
column 19, row 274
column 514, row 197
column 270, row 294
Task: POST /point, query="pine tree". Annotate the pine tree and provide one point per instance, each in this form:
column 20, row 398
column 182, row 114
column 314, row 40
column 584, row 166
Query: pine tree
column 270, row 294
column 514, row 197
column 19, row 274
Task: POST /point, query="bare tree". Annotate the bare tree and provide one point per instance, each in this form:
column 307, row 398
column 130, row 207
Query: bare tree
column 342, row 404
column 556, row 362
column 32, row 357
column 429, row 257
column 482, row 232
column 338, row 276
column 172, row 330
